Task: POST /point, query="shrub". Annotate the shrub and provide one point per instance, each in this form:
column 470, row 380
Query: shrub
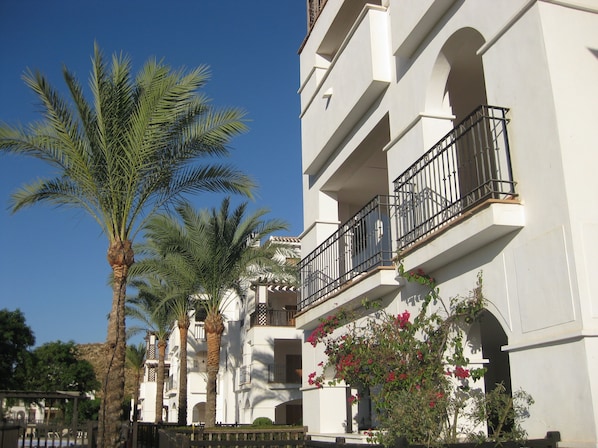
column 262, row 421
column 412, row 367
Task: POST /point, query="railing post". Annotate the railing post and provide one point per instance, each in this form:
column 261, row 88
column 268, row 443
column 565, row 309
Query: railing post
column 134, row 434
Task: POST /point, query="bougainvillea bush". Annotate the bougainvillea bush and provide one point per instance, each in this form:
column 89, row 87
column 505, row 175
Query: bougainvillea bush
column 411, row 366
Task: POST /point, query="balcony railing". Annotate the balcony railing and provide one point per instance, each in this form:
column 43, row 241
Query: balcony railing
column 359, row 245
column 282, row 373
column 470, row 165
column 262, row 316
column 244, row 375
column 313, row 11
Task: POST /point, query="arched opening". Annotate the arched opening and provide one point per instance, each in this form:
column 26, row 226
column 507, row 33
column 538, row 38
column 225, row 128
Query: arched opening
column 199, row 412
column 493, row 339
column 465, row 86
column 289, row 413
column 498, row 370
column 457, row 88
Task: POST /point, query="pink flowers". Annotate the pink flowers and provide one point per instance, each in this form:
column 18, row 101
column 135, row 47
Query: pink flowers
column 402, row 320
column 313, row 381
column 461, row 373
column 326, row 327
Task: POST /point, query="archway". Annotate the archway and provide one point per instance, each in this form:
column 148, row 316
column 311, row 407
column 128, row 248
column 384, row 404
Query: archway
column 457, row 88
column 199, row 412
column 493, row 339
column 289, row 413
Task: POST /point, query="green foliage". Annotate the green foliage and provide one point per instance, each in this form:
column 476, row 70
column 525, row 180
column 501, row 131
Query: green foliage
column 262, row 421
column 503, row 412
column 413, row 368
column 56, row 367
column 87, row 410
column 15, row 339
column 135, row 357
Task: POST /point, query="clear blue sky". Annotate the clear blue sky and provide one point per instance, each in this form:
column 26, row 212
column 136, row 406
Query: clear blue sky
column 52, row 261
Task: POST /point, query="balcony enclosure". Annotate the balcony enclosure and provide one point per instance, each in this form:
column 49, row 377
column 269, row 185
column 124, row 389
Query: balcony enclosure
column 469, row 167
column 263, row 316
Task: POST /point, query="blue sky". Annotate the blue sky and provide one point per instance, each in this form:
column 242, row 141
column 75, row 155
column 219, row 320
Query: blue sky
column 53, row 261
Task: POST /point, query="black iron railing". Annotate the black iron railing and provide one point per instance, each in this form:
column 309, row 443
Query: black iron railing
column 466, row 168
column 470, row 165
column 262, row 316
column 282, row 373
column 359, row 245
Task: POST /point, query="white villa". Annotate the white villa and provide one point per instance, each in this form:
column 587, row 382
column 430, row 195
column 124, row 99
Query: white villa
column 462, row 135
column 260, row 358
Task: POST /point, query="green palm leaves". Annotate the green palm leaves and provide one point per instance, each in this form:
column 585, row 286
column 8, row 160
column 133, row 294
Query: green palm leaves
column 135, row 145
column 132, row 149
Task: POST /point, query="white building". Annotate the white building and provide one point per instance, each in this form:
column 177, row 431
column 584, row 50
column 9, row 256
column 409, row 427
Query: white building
column 260, row 358
column 399, row 158
column 270, row 375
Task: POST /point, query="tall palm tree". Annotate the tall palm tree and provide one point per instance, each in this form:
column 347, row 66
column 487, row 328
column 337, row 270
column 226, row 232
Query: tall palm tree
column 133, row 148
column 213, row 251
column 175, row 297
column 135, row 360
column 147, row 307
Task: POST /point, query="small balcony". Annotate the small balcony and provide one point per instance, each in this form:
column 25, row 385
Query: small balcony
column 283, row 373
column 331, row 101
column 244, row 375
column 313, row 11
column 468, row 167
column 466, row 174
column 360, row 245
column 263, row 317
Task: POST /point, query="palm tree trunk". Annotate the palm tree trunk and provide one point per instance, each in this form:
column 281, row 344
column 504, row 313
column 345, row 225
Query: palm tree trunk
column 160, row 381
column 120, row 257
column 214, row 329
column 183, row 329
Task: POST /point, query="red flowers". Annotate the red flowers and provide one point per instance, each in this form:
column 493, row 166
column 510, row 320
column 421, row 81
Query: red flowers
column 461, row 373
column 402, row 320
column 326, row 327
column 313, row 381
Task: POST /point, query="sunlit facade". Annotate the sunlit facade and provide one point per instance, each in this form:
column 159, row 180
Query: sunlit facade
column 459, row 137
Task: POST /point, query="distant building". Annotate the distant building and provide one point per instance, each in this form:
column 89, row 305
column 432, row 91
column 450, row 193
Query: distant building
column 460, row 136
column 260, row 356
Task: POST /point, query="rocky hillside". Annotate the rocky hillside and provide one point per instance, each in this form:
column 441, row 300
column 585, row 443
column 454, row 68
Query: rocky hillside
column 95, row 355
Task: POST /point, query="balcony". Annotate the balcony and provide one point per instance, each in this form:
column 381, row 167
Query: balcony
column 313, row 11
column 360, row 245
column 468, row 167
column 465, row 179
column 332, row 102
column 283, row 373
column 263, row 317
column 244, row 375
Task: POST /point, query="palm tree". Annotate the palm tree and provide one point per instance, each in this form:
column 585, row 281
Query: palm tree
column 129, row 151
column 147, row 307
column 213, row 251
column 135, row 360
column 176, row 296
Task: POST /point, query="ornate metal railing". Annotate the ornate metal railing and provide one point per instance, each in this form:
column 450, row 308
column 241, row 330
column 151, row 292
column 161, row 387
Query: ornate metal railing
column 262, row 316
column 470, row 165
column 359, row 245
